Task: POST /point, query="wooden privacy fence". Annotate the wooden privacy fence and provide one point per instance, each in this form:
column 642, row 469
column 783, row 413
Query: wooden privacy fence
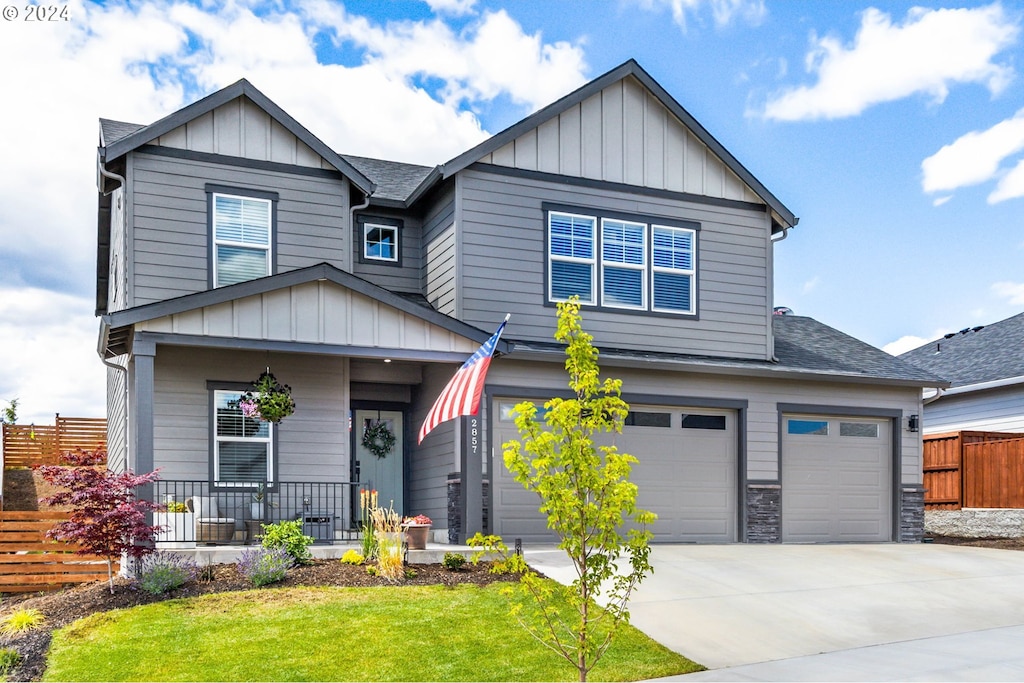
column 29, row 445
column 974, row 470
column 31, row 562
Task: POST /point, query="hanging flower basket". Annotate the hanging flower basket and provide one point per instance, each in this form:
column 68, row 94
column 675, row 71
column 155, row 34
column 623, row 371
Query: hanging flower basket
column 269, row 399
column 378, row 439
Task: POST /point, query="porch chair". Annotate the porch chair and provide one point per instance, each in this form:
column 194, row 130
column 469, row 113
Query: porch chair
column 210, row 526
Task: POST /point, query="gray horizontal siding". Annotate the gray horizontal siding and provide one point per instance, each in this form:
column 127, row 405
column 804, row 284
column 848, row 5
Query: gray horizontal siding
column 434, row 459
column 997, row 410
column 439, row 268
column 762, row 396
column 312, row 444
column 401, row 278
column 169, row 222
column 501, row 236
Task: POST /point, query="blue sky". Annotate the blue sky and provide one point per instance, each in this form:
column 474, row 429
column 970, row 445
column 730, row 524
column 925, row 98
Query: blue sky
column 891, row 129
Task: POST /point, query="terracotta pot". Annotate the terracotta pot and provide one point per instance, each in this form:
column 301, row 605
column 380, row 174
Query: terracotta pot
column 416, row 536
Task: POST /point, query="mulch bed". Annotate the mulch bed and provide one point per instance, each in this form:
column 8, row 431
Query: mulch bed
column 65, row 606
column 1003, row 543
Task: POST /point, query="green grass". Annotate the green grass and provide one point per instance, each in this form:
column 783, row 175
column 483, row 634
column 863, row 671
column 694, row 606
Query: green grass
column 409, row 633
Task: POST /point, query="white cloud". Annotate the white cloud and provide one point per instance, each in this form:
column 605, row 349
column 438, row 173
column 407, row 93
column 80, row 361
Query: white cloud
column 138, row 62
column 910, row 342
column 1010, row 186
column 49, row 342
column 939, row 201
column 926, row 54
column 974, row 157
column 492, row 56
column 810, row 285
column 1013, row 292
column 724, row 12
column 452, row 7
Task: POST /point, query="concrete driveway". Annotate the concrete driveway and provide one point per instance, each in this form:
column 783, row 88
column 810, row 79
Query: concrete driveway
column 736, row 605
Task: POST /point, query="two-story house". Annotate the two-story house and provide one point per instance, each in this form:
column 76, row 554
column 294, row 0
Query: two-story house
column 232, row 240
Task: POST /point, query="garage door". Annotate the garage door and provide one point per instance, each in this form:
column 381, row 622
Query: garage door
column 836, row 479
column 686, row 474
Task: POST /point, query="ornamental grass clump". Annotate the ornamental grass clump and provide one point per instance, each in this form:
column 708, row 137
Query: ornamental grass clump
column 387, row 527
column 20, row 621
column 163, row 572
column 367, row 502
column 263, row 566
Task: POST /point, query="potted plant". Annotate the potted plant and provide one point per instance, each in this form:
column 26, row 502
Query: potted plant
column 256, row 507
column 177, row 525
column 269, row 399
column 416, row 531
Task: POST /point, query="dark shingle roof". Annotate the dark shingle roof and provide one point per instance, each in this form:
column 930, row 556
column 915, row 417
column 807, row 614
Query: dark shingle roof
column 115, row 130
column 806, row 344
column 975, row 355
column 394, row 180
column 803, row 347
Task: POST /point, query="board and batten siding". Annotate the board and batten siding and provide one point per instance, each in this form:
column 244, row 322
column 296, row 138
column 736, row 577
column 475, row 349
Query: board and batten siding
column 503, row 265
column 661, row 387
column 169, row 221
column 623, row 134
column 313, row 443
column 440, row 257
column 993, row 410
column 117, row 287
column 316, row 313
column 240, row 128
column 434, row 459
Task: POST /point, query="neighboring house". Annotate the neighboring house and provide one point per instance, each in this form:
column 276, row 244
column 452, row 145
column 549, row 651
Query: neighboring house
column 985, row 368
column 231, row 239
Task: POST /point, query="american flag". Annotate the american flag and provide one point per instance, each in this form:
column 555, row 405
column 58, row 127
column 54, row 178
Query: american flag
column 462, row 394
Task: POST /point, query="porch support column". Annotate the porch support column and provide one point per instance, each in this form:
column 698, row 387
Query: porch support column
column 471, row 464
column 143, row 353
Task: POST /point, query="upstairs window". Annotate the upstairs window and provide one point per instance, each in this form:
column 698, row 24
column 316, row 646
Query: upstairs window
column 644, row 264
column 571, row 241
column 242, row 229
column 380, row 242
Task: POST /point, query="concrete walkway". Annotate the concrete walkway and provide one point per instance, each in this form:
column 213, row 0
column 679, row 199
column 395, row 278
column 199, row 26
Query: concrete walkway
column 767, row 612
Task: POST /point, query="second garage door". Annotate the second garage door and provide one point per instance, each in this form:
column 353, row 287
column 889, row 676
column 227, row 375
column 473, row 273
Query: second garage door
column 686, row 474
column 836, row 479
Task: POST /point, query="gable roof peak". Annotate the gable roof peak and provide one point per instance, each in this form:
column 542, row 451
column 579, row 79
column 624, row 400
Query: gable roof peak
column 240, row 88
column 629, row 68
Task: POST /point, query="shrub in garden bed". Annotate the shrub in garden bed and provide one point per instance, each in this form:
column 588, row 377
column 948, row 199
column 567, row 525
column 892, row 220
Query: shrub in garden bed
column 163, row 572
column 263, row 566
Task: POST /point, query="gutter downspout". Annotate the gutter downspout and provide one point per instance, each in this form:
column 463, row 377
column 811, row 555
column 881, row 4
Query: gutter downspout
column 785, row 234
column 939, row 392
column 122, row 182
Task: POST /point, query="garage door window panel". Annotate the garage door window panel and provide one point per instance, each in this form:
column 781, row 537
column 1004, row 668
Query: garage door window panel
column 807, row 427
column 639, row 418
column 712, row 422
column 859, row 429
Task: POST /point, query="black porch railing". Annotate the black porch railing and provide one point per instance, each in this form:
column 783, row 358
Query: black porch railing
column 198, row 513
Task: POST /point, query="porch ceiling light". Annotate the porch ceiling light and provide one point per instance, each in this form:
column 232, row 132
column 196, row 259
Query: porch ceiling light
column 387, row 360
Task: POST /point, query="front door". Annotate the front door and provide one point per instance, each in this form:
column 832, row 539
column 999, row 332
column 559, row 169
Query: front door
column 381, row 470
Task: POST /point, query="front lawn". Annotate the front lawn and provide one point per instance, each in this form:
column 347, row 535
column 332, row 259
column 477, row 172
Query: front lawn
column 407, row 633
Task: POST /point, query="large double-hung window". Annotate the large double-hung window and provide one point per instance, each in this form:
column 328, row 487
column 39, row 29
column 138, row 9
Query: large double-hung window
column 643, row 265
column 243, row 447
column 242, row 228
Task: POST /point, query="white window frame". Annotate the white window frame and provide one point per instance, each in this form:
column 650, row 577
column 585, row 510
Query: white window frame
column 268, row 248
column 379, row 226
column 690, row 272
column 641, row 267
column 592, row 262
column 218, row 440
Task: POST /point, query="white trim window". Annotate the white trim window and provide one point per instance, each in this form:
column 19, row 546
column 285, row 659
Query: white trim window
column 380, row 242
column 645, row 266
column 243, row 447
column 241, row 238
column 623, row 264
column 573, row 257
column 674, row 269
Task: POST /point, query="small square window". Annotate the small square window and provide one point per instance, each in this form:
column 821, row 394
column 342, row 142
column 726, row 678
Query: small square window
column 380, row 242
